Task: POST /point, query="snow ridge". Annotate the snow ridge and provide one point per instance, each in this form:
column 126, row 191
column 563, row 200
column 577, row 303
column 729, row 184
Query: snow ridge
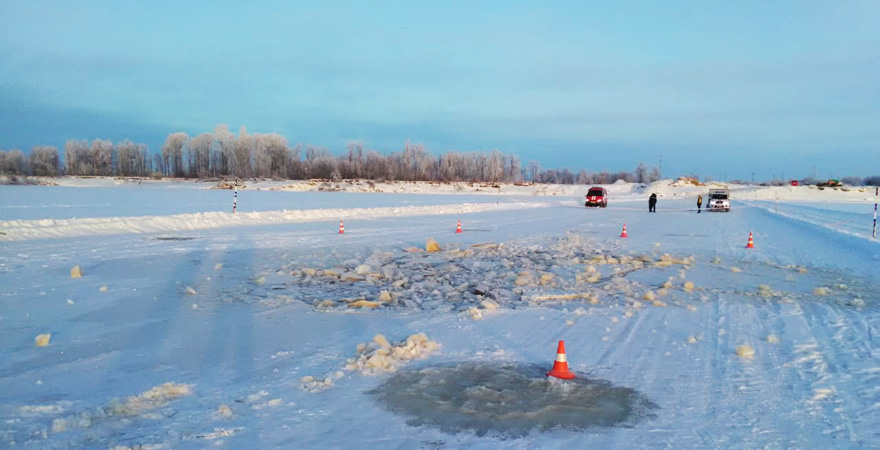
column 15, row 230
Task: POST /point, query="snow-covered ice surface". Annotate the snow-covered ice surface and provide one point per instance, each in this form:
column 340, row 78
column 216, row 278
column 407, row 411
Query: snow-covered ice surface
column 265, row 333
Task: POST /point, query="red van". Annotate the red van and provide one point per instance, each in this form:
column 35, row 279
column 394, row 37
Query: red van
column 597, row 196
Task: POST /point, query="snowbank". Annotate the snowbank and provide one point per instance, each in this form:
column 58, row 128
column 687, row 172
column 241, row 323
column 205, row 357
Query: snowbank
column 14, row 230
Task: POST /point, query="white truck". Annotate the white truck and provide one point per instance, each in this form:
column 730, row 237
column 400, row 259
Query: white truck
column 719, row 200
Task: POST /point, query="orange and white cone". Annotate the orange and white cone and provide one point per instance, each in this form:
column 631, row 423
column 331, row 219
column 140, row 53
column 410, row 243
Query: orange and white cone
column 341, row 228
column 560, row 366
column 751, row 243
column 623, row 235
column 458, row 227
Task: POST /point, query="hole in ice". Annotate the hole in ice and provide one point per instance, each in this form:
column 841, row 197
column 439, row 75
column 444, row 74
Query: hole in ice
column 173, row 238
column 509, row 400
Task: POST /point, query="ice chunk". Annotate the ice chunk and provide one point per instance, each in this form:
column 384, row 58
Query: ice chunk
column 352, row 277
column 103, row 288
column 745, row 351
column 691, row 340
column 363, row 269
column 772, row 339
column 218, row 266
column 76, row 272
column 820, row 291
column 649, row 296
column 688, row 286
column 821, row 393
column 381, row 341
column 384, row 297
column 189, row 291
column 735, row 269
column 363, row 304
column 432, row 245
column 42, row 340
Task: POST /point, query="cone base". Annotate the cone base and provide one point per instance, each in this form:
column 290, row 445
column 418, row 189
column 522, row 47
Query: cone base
column 623, row 236
column 561, row 374
column 750, row 246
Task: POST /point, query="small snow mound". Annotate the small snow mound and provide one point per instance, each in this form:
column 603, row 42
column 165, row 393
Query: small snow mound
column 134, row 406
column 772, row 339
column 224, row 411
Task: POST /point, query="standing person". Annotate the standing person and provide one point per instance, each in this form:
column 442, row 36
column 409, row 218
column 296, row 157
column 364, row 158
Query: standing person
column 652, row 203
column 699, row 203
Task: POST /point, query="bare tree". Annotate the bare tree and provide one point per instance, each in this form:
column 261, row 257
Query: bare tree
column 534, row 169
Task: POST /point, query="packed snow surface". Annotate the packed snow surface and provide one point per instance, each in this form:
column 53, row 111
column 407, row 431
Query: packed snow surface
column 179, row 325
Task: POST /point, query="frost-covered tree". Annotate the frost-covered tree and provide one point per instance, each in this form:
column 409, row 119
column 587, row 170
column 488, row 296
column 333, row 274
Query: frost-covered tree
column 172, row 153
column 44, row 161
column 13, row 162
column 132, row 159
column 198, row 155
column 77, row 158
column 102, row 155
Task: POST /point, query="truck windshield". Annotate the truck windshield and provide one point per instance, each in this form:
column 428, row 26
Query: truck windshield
column 595, row 192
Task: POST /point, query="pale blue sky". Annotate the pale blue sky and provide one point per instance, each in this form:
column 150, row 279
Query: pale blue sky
column 715, row 87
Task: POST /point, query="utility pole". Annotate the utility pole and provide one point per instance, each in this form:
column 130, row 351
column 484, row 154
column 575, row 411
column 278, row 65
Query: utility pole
column 874, row 230
column 661, row 166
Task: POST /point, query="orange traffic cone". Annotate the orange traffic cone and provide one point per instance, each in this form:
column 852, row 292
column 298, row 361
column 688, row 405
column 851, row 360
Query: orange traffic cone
column 458, row 227
column 560, row 366
column 751, row 243
column 623, row 235
column 341, row 228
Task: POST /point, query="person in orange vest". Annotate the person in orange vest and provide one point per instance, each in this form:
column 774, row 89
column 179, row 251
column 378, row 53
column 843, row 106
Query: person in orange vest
column 699, row 203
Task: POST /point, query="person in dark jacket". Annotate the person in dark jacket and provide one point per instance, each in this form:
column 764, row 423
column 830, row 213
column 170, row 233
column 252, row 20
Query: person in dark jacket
column 699, row 203
column 652, row 203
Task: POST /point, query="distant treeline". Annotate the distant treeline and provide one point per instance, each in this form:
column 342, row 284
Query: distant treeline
column 222, row 154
